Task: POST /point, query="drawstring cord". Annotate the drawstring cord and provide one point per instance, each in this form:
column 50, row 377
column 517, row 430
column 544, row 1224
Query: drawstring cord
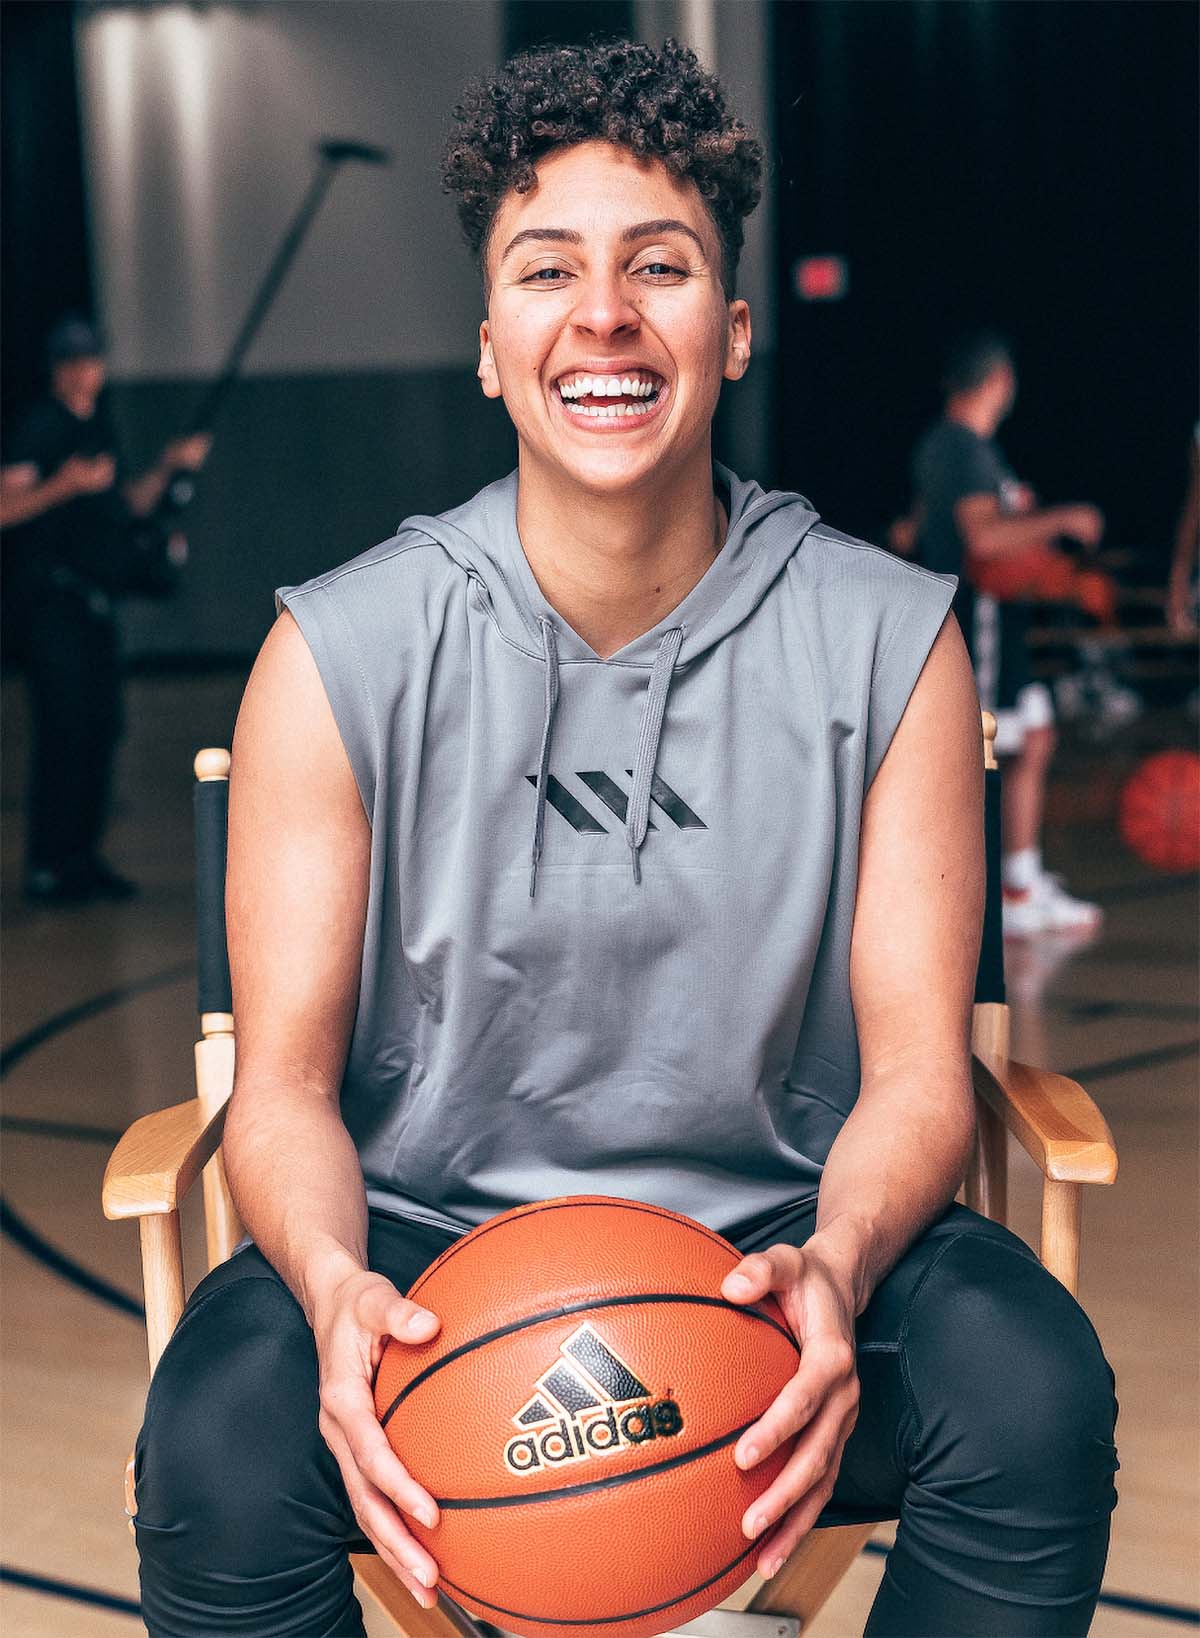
column 550, row 656
column 637, row 816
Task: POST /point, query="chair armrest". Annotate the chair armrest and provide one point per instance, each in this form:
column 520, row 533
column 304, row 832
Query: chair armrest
column 159, row 1158
column 1053, row 1119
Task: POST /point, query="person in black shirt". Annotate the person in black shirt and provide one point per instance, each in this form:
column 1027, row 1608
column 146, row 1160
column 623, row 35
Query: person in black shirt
column 66, row 507
column 970, row 509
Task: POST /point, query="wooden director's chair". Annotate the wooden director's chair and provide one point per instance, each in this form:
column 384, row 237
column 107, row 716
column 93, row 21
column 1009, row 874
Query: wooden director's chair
column 160, row 1156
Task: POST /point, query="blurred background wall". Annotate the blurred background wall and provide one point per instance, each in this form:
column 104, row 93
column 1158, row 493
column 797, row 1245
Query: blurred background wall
column 1031, row 166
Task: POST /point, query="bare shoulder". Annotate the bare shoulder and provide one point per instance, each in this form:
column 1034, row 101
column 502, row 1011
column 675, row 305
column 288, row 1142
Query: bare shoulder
column 940, row 732
column 286, row 738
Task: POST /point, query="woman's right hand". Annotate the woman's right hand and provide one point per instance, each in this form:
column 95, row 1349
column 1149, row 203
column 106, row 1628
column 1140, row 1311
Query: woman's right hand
column 351, row 1324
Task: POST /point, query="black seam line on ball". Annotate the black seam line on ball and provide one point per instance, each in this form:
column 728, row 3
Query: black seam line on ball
column 612, row 1481
column 571, row 1204
column 605, row 1620
column 564, row 1313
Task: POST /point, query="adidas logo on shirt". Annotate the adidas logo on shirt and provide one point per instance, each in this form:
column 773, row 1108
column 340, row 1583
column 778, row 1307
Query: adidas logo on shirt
column 576, row 1412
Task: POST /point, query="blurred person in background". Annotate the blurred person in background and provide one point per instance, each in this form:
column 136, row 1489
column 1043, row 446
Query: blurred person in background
column 970, row 510
column 66, row 509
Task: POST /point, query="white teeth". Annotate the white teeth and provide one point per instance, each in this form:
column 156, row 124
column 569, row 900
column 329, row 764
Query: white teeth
column 606, row 412
column 605, row 386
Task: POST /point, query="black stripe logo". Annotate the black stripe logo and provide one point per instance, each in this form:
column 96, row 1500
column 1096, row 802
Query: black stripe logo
column 615, row 800
column 589, row 1403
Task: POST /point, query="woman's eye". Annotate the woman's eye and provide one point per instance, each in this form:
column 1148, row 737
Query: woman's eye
column 540, row 275
column 658, row 269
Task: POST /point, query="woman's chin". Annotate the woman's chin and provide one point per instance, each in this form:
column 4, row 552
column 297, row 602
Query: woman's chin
column 605, row 471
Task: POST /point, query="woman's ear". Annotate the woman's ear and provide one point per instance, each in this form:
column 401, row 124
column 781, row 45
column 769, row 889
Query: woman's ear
column 737, row 354
column 489, row 380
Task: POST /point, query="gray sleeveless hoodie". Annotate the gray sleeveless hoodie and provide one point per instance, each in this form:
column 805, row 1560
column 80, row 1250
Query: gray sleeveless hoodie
column 608, row 934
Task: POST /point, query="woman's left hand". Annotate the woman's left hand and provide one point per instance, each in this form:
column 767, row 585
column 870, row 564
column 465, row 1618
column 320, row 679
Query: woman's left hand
column 820, row 1403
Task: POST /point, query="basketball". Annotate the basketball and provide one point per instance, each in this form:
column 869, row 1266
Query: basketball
column 1159, row 812
column 575, row 1417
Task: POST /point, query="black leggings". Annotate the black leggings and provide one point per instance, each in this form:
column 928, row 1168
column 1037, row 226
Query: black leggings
column 985, row 1425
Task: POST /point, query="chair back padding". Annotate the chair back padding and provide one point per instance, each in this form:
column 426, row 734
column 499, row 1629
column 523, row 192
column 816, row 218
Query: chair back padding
column 989, row 978
column 212, row 956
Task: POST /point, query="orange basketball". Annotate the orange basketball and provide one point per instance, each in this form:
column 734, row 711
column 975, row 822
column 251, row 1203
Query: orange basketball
column 576, row 1415
column 1159, row 811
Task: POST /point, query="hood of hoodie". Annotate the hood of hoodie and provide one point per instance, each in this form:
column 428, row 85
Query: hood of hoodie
column 765, row 530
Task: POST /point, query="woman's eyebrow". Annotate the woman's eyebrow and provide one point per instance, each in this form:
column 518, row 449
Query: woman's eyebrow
column 558, row 235
column 639, row 230
column 661, row 225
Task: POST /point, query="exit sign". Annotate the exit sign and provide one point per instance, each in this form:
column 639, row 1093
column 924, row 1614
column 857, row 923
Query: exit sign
column 820, row 278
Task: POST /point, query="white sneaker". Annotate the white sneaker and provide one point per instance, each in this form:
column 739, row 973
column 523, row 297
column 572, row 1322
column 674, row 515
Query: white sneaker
column 1046, row 907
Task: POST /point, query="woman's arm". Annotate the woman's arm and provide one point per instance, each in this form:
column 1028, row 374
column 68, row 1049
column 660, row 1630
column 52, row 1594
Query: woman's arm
column 899, row 1157
column 296, row 895
column 902, row 1153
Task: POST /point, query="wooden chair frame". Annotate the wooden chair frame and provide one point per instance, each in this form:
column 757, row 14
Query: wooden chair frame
column 159, row 1158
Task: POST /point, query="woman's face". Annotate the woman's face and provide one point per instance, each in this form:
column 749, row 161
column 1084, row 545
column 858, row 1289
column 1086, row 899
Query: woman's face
column 608, row 333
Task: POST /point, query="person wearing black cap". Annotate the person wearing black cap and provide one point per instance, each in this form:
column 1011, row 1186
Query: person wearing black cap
column 66, row 506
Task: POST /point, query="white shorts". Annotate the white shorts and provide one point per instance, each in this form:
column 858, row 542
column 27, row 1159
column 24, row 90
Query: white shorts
column 1033, row 708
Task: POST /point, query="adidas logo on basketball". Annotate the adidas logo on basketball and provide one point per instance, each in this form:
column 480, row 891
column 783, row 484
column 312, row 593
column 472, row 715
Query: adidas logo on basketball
column 589, row 1403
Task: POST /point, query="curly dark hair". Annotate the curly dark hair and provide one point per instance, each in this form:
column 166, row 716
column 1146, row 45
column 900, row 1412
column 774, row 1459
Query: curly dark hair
column 657, row 104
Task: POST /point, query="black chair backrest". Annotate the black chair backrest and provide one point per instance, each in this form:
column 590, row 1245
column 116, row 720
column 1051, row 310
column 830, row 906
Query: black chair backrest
column 213, row 991
column 989, row 979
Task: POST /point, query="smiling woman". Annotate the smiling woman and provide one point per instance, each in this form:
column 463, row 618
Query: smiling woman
column 617, row 832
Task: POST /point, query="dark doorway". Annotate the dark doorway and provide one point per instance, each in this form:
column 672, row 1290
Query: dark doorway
column 1029, row 166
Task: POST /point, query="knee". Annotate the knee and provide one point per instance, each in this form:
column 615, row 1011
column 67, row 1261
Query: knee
column 1025, row 1386
column 231, row 1423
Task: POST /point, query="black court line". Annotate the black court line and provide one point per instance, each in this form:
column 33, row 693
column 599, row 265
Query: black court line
column 10, row 1056
column 69, row 1589
column 29, row 1240
column 12, row 1224
column 1135, row 1060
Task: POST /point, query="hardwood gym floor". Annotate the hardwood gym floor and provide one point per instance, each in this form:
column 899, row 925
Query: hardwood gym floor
column 98, row 1026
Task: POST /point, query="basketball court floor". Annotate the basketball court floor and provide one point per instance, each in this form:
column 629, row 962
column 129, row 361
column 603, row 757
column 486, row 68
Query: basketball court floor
column 98, row 1027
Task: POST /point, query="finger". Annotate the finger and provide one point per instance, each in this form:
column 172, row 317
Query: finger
column 378, row 1518
column 815, row 1459
column 826, row 1362
column 782, row 1542
column 383, row 1311
column 381, row 1523
column 763, row 1271
column 348, row 1405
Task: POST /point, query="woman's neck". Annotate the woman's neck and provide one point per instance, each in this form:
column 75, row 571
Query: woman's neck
column 613, row 565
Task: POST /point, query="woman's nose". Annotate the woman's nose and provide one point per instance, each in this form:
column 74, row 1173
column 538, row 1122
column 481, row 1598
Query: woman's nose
column 602, row 308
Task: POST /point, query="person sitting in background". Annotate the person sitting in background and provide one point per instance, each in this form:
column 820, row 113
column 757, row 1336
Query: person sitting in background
column 66, row 506
column 970, row 510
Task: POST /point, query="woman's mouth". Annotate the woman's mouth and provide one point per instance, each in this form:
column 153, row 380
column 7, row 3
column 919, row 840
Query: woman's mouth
column 610, row 403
